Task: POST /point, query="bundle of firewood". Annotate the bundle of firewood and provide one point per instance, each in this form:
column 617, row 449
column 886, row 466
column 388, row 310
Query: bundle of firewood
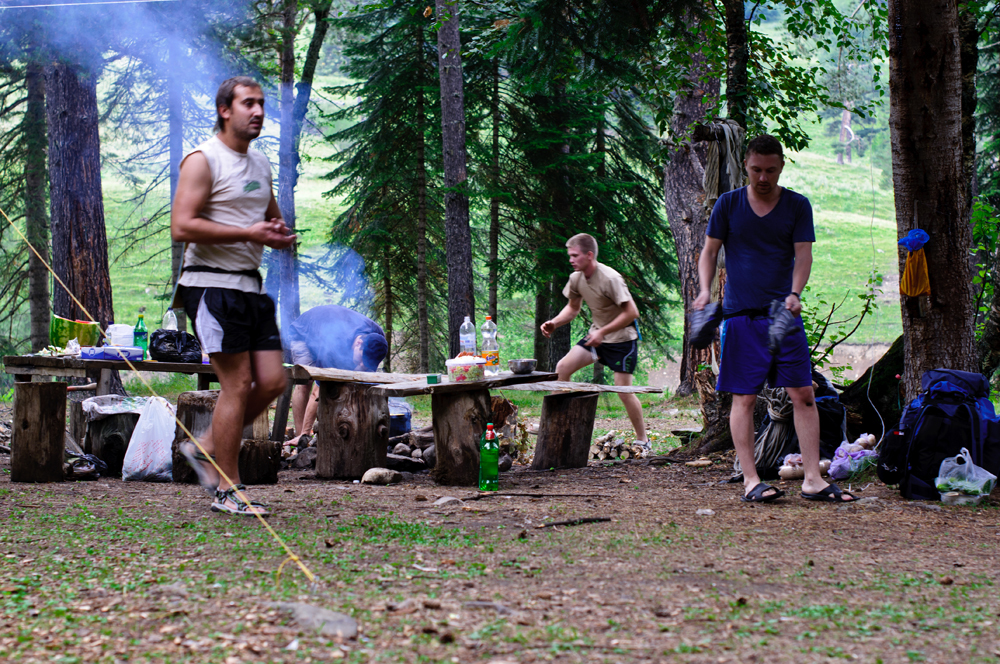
column 609, row 446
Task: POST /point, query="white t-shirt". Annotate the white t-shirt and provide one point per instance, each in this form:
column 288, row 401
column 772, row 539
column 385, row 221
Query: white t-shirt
column 241, row 192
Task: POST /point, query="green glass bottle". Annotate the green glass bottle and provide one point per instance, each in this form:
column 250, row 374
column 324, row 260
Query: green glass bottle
column 489, row 461
column 141, row 336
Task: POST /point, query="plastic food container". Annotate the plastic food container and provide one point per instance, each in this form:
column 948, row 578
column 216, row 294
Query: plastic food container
column 956, row 498
column 465, row 368
column 120, row 335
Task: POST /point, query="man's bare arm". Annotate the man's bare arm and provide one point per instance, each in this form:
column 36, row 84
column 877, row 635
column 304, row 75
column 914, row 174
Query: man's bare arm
column 193, row 189
column 706, row 270
column 800, row 275
column 568, row 313
column 629, row 313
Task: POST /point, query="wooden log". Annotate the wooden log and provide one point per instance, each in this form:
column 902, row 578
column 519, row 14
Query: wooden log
column 194, row 410
column 38, row 433
column 352, row 430
column 260, row 461
column 78, row 424
column 418, row 438
column 460, row 419
column 108, row 439
column 259, row 429
column 281, row 413
column 567, row 424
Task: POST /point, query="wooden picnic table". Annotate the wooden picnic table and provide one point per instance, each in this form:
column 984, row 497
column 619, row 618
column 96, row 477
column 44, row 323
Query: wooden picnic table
column 460, row 412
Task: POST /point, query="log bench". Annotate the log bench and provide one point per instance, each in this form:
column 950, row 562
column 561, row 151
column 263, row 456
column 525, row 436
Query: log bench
column 567, row 420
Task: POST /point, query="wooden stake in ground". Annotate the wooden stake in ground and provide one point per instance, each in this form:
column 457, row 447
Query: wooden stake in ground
column 38, row 441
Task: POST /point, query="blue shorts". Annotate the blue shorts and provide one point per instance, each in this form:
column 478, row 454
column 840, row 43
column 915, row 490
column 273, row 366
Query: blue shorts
column 746, row 362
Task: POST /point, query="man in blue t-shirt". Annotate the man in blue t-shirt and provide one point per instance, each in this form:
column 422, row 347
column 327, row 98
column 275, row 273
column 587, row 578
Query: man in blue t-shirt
column 330, row 337
column 767, row 232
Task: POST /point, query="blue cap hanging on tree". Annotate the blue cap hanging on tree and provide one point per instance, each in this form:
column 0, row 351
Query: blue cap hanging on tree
column 915, row 281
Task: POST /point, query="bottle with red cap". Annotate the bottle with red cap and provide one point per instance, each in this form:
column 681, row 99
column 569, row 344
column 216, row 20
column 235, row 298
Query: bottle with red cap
column 489, row 461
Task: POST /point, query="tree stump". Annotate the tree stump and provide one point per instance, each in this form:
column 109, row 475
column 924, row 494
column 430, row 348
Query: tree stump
column 38, row 434
column 567, row 423
column 260, row 461
column 194, row 410
column 108, row 438
column 352, row 430
column 460, row 419
column 259, row 429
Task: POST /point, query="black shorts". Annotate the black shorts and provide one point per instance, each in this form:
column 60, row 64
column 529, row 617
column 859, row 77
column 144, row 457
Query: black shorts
column 231, row 321
column 619, row 357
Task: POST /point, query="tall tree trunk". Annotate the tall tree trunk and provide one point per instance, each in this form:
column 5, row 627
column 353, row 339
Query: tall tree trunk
column 968, row 34
column 600, row 219
column 175, row 120
column 288, row 298
column 458, row 236
column 738, row 54
column 561, row 340
column 389, row 303
column 420, row 150
column 684, row 199
column 926, row 124
column 36, row 219
column 495, row 198
column 542, row 314
column 79, row 242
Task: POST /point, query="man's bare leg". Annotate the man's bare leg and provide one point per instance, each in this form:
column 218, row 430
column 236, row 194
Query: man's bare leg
column 306, row 417
column 577, row 358
column 741, row 426
column 300, row 393
column 632, row 406
column 806, row 418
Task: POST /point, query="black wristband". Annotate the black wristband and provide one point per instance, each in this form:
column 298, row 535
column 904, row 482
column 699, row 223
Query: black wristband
column 796, row 295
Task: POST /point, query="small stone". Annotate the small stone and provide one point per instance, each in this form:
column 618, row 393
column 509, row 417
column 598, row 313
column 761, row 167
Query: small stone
column 306, row 458
column 402, row 449
column 313, row 618
column 294, row 645
column 430, row 456
column 505, row 463
column 403, row 608
column 705, row 512
column 447, row 500
column 432, row 604
column 544, row 595
column 417, row 453
column 420, row 498
column 947, row 581
column 381, row 476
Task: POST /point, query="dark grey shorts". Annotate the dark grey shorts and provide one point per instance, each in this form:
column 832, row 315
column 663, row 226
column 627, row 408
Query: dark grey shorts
column 231, row 321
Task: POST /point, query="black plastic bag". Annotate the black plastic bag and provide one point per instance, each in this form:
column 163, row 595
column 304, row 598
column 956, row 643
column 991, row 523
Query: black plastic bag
column 174, row 346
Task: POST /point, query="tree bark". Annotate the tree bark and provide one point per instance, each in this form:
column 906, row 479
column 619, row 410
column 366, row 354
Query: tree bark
column 38, row 436
column 542, row 314
column 458, row 236
column 387, row 296
column 353, row 430
column 36, row 221
column 288, row 289
column 495, row 198
column 738, row 55
column 684, row 199
column 79, row 242
column 567, row 426
column 926, row 124
column 459, row 420
column 175, row 121
column 423, row 322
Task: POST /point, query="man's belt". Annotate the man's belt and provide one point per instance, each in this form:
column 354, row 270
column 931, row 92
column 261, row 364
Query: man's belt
column 255, row 274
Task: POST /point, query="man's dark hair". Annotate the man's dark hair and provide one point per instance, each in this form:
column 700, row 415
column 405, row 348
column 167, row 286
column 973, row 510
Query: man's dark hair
column 224, row 97
column 765, row 145
column 373, row 350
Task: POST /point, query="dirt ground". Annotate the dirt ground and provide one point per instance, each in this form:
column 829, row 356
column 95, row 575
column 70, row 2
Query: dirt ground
column 684, row 571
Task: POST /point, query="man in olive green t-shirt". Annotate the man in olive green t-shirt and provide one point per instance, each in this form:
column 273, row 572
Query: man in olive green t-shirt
column 613, row 338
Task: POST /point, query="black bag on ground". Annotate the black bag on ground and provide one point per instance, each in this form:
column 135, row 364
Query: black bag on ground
column 952, row 411
column 174, row 346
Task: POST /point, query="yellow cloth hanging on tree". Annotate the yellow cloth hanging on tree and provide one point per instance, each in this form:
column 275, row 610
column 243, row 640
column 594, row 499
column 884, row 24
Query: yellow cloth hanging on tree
column 915, row 280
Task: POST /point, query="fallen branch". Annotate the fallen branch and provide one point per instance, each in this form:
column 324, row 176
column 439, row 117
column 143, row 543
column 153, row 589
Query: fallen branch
column 538, row 495
column 575, row 522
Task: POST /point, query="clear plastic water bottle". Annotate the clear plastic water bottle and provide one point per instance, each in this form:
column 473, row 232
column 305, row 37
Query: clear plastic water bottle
column 467, row 337
column 491, row 347
column 169, row 320
column 141, row 336
column 489, row 461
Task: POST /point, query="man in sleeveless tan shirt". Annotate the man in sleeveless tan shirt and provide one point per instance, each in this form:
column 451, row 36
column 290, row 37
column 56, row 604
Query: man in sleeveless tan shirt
column 225, row 211
column 613, row 338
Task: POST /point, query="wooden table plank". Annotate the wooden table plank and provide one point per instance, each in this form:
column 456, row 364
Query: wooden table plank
column 24, row 364
column 568, row 386
column 504, row 380
column 300, row 372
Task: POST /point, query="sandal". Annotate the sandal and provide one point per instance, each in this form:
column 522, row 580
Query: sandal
column 231, row 502
column 756, row 494
column 208, row 477
column 831, row 494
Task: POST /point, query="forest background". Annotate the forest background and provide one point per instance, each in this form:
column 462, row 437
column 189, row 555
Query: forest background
column 579, row 117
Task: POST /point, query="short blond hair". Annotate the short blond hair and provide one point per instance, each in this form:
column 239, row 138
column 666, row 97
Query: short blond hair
column 584, row 241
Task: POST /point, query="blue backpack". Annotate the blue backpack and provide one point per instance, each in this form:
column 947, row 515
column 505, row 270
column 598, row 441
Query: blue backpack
column 953, row 411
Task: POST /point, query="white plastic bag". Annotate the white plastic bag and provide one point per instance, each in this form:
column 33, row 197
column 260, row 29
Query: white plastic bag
column 148, row 458
column 958, row 473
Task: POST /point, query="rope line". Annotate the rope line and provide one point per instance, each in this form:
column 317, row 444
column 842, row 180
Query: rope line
column 291, row 554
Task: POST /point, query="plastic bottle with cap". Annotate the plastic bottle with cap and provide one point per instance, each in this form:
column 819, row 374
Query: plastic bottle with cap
column 489, row 461
column 170, row 320
column 491, row 347
column 467, row 337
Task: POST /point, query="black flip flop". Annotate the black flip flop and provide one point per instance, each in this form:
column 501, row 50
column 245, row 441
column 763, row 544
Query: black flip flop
column 756, row 494
column 831, row 494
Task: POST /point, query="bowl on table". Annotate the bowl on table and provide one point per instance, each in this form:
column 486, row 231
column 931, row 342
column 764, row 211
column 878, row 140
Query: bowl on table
column 521, row 366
